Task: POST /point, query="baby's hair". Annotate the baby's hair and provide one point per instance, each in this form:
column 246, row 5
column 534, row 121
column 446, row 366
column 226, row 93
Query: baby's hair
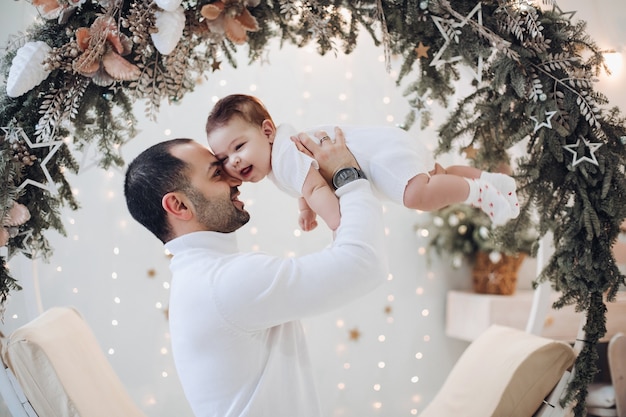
column 249, row 108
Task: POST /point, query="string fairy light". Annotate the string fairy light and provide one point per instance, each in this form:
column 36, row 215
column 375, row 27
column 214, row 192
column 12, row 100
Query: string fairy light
column 615, row 62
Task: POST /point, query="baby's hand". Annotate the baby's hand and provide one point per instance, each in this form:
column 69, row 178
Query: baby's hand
column 307, row 220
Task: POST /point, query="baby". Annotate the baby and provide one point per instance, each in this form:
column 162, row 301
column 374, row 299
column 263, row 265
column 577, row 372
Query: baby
column 243, row 136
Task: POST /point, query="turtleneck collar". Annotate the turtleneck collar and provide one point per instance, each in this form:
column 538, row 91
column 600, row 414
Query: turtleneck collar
column 220, row 243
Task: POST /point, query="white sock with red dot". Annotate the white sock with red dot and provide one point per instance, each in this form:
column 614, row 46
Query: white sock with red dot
column 487, row 198
column 507, row 187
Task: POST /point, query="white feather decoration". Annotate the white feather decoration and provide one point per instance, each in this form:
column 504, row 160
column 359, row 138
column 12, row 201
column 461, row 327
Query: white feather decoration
column 170, row 27
column 27, row 70
column 168, row 5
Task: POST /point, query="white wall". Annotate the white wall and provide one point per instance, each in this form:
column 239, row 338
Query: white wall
column 116, row 273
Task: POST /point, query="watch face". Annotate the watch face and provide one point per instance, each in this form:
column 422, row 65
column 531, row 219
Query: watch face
column 344, row 176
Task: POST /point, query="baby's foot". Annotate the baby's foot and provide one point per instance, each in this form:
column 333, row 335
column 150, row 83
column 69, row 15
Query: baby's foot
column 507, row 187
column 486, row 197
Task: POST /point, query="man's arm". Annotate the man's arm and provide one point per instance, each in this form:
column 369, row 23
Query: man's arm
column 261, row 291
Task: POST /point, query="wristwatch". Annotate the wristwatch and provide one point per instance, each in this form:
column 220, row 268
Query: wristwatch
column 346, row 175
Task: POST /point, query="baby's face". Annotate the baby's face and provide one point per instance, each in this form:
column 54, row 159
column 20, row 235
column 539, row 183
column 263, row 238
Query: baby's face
column 243, row 149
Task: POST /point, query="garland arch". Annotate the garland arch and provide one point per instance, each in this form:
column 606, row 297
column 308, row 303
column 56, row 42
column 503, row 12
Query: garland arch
column 72, row 78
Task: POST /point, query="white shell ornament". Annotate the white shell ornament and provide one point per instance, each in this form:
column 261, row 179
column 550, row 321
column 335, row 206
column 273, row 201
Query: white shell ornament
column 169, row 5
column 170, row 27
column 27, row 69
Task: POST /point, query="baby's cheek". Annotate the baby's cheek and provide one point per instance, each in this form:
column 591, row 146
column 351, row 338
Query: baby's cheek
column 232, row 172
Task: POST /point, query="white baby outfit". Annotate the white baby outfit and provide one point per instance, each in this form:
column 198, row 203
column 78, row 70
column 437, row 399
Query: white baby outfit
column 388, row 156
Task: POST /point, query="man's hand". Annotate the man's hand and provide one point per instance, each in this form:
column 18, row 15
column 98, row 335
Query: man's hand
column 331, row 155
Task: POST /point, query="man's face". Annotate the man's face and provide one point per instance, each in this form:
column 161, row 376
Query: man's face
column 212, row 192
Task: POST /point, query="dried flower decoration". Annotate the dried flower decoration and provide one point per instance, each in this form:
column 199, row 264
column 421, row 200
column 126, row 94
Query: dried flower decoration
column 231, row 18
column 15, row 217
column 103, row 47
column 53, row 9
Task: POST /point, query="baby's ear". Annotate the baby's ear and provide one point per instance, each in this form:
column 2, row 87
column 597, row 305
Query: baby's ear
column 269, row 130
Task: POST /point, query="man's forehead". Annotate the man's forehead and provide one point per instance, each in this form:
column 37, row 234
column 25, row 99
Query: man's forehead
column 193, row 151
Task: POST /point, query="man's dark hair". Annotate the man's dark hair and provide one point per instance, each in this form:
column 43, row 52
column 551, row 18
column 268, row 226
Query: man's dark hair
column 152, row 174
column 249, row 108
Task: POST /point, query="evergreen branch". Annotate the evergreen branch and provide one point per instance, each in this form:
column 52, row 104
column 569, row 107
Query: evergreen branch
column 586, row 361
column 8, row 284
column 380, row 16
column 511, row 21
column 560, row 61
column 586, row 104
column 8, row 193
column 496, row 41
column 318, row 27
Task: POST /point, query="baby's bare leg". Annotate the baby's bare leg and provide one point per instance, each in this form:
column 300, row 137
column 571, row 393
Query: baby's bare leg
column 463, row 171
column 432, row 193
column 503, row 182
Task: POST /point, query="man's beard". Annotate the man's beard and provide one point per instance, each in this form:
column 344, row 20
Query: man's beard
column 217, row 215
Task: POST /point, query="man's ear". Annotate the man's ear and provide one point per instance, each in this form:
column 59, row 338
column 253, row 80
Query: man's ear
column 177, row 205
column 269, row 130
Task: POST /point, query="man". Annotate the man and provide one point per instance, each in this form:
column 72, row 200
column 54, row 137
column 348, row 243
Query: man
column 237, row 340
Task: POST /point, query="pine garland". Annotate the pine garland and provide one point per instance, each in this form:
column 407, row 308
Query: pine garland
column 534, row 70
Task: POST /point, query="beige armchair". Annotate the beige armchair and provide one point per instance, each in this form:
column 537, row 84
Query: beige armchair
column 504, row 372
column 60, row 371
